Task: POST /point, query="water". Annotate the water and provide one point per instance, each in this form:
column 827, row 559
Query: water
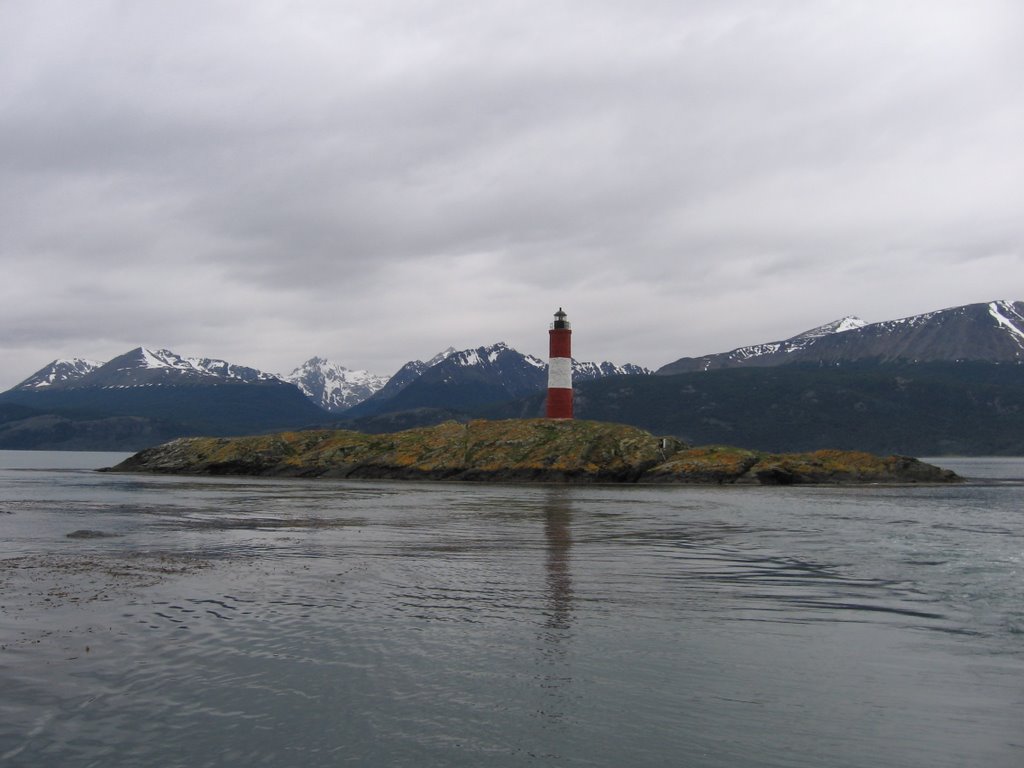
column 222, row 622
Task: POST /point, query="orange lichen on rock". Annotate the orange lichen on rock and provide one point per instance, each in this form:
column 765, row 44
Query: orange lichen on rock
column 518, row 450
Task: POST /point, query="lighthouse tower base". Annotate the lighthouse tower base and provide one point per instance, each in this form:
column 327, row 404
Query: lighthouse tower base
column 559, row 404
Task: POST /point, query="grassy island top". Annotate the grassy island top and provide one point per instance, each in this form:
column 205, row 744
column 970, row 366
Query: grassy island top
column 519, row 450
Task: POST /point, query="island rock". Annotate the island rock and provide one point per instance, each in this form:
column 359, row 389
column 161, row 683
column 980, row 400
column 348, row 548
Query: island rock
column 518, row 450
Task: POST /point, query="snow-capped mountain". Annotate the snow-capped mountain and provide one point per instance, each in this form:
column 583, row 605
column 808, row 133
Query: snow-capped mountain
column 988, row 332
column 766, row 354
column 459, row 379
column 59, row 372
column 334, row 387
column 498, row 357
column 148, row 367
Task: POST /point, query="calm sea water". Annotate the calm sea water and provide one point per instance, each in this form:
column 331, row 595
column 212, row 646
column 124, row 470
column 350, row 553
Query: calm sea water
column 224, row 622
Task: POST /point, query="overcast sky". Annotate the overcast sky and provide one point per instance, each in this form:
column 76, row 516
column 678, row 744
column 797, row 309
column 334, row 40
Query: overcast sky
column 374, row 181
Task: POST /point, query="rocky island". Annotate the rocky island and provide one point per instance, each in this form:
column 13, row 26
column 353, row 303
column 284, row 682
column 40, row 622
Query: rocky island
column 520, row 450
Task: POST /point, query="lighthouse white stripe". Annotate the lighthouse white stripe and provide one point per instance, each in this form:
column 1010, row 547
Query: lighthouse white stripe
column 560, row 373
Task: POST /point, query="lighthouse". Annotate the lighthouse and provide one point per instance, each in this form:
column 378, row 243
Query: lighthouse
column 560, row 368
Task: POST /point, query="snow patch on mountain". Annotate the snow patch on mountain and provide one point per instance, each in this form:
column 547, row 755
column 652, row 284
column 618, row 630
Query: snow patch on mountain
column 535, row 361
column 843, row 324
column 588, row 371
column 439, row 357
column 471, row 357
column 1003, row 312
column 1006, row 315
column 162, row 358
column 850, row 323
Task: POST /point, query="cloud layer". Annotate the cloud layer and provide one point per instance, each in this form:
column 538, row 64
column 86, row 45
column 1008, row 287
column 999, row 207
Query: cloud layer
column 375, row 181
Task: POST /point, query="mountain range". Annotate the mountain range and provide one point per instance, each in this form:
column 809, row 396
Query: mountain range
column 991, row 332
column 144, row 396
column 148, row 395
column 944, row 381
column 473, row 378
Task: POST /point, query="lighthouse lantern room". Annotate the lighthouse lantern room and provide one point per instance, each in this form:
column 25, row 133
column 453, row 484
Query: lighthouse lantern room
column 560, row 368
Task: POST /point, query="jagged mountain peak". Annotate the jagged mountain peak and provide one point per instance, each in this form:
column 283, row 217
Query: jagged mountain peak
column 408, row 373
column 490, row 354
column 322, row 364
column 59, row 372
column 333, row 386
column 439, row 357
column 316, row 361
column 843, row 324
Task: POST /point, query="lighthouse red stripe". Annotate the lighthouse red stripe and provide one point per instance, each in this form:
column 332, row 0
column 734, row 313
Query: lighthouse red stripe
column 559, row 404
column 560, row 342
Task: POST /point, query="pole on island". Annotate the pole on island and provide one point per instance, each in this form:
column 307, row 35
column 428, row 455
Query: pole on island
column 560, row 368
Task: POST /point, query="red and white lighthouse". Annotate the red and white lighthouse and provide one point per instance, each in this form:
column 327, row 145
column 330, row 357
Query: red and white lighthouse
column 560, row 368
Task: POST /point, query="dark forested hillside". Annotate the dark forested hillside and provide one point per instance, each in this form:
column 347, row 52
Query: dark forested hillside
column 921, row 409
column 94, row 418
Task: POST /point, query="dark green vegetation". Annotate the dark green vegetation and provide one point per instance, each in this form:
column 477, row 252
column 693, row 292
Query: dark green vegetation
column 923, row 409
column 117, row 419
column 518, row 450
column 920, row 409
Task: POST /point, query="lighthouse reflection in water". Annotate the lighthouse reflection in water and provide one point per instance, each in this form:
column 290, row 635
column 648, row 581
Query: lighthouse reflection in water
column 555, row 633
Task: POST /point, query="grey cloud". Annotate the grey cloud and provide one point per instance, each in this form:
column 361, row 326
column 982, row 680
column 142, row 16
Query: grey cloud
column 274, row 172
